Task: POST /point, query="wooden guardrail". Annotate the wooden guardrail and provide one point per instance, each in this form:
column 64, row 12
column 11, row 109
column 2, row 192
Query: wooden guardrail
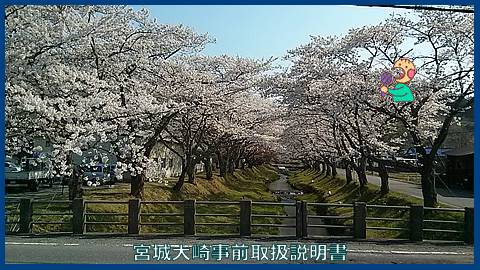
column 20, row 216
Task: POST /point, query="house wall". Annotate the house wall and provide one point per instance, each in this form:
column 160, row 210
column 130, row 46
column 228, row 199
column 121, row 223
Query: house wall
column 166, row 162
column 100, row 153
column 461, row 135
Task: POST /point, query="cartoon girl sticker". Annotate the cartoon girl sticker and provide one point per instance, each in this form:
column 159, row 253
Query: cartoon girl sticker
column 397, row 86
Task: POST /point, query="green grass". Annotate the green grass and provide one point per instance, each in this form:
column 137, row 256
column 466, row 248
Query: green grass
column 249, row 184
column 407, row 177
column 317, row 187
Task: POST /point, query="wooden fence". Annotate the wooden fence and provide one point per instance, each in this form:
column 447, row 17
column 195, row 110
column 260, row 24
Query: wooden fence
column 20, row 216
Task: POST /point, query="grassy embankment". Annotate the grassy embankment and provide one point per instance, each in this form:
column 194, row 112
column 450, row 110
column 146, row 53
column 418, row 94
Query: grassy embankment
column 317, row 187
column 248, row 184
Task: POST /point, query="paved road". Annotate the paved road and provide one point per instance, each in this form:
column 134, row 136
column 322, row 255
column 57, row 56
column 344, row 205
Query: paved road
column 57, row 192
column 44, row 193
column 453, row 197
column 60, row 249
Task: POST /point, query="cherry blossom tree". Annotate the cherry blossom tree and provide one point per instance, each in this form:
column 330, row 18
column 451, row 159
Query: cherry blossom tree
column 443, row 52
column 77, row 75
column 218, row 93
column 334, row 78
column 81, row 76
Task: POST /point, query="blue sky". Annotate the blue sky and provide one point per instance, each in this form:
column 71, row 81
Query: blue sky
column 266, row 31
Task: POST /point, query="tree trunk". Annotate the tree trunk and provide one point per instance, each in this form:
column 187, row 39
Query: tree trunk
column 74, row 183
column 137, row 185
column 208, row 168
column 334, row 168
column 190, row 168
column 428, row 187
column 427, row 172
column 362, row 178
column 75, row 189
column 348, row 173
column 231, row 164
column 222, row 164
column 181, row 178
column 372, row 168
column 362, row 175
column 316, row 166
column 191, row 171
column 323, row 168
column 137, row 182
column 383, row 173
column 237, row 163
column 328, row 168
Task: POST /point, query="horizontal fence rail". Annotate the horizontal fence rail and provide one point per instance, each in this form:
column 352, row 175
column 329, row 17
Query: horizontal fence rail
column 93, row 220
column 77, row 217
column 148, row 218
column 323, row 219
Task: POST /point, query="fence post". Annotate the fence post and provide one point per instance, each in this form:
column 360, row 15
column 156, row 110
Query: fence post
column 469, row 229
column 26, row 215
column 134, row 216
column 245, row 218
column 304, row 219
column 359, row 220
column 189, row 217
column 78, row 220
column 299, row 219
column 416, row 222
